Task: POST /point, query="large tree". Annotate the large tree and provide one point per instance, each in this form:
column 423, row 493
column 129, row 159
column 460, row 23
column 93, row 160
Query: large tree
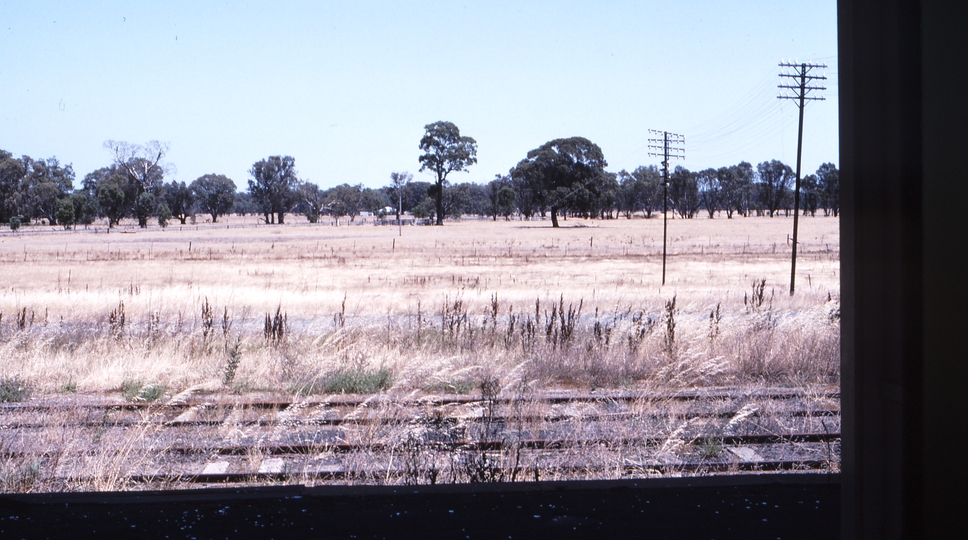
column 445, row 151
column 273, row 186
column 215, row 194
column 558, row 169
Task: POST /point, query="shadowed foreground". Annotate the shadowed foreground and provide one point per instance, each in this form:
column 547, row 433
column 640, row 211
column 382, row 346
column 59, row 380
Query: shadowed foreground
column 787, row 506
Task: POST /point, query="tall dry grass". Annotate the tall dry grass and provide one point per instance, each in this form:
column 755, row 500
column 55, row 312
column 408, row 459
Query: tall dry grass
column 430, row 311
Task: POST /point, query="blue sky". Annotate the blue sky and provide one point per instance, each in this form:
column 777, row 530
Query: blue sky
column 347, row 87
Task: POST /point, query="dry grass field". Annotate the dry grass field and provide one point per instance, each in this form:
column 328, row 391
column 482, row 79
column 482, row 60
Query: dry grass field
column 434, row 306
column 239, row 308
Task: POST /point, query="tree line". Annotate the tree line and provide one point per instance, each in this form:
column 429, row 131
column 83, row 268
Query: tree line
column 561, row 178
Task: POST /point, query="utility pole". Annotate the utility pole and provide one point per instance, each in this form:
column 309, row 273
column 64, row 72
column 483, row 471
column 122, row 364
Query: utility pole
column 666, row 153
column 799, row 92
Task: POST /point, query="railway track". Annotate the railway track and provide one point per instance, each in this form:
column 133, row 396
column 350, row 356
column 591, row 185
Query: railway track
column 198, row 439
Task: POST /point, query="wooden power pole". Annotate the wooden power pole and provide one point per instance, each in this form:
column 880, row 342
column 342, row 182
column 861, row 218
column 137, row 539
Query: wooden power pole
column 801, row 73
column 666, row 152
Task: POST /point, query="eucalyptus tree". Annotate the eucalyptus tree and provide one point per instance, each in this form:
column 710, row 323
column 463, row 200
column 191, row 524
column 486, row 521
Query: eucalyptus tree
column 445, row 151
column 828, row 183
column 773, row 188
column 559, row 169
column 215, row 194
column 142, row 165
column 273, row 185
column 180, row 200
column 710, row 191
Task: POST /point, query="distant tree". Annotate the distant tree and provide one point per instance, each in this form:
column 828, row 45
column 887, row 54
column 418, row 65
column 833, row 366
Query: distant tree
column 736, row 183
column 414, row 194
column 373, row 200
column 478, row 203
column 684, row 192
column 809, row 194
column 144, row 209
column 445, row 151
column 180, row 199
column 710, row 191
column 111, row 200
column 164, row 215
column 456, row 200
column 501, row 197
column 647, row 186
column 773, row 187
column 273, row 186
column 141, row 164
column 112, row 176
column 526, row 199
column 628, row 199
column 398, row 183
column 12, row 173
column 606, row 199
column 244, row 205
column 828, row 184
column 426, row 208
column 344, row 200
column 214, row 194
column 46, row 183
column 85, row 207
column 65, row 212
column 312, row 200
column 559, row 169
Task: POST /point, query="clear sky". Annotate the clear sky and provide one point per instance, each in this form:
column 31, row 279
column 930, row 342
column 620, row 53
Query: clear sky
column 346, row 88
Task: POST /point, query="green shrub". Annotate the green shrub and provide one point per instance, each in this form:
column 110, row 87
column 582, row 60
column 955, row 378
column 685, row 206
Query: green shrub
column 136, row 391
column 13, row 390
column 14, row 223
column 352, row 381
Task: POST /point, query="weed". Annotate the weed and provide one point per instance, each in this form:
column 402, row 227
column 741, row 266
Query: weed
column 13, row 389
column 226, row 322
column 116, row 321
column 351, row 381
column 20, row 478
column 69, row 387
column 714, row 317
column 137, row 391
column 711, row 447
column 480, row 465
column 670, row 323
column 276, row 327
column 22, row 320
column 235, row 356
column 207, row 319
column 339, row 319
